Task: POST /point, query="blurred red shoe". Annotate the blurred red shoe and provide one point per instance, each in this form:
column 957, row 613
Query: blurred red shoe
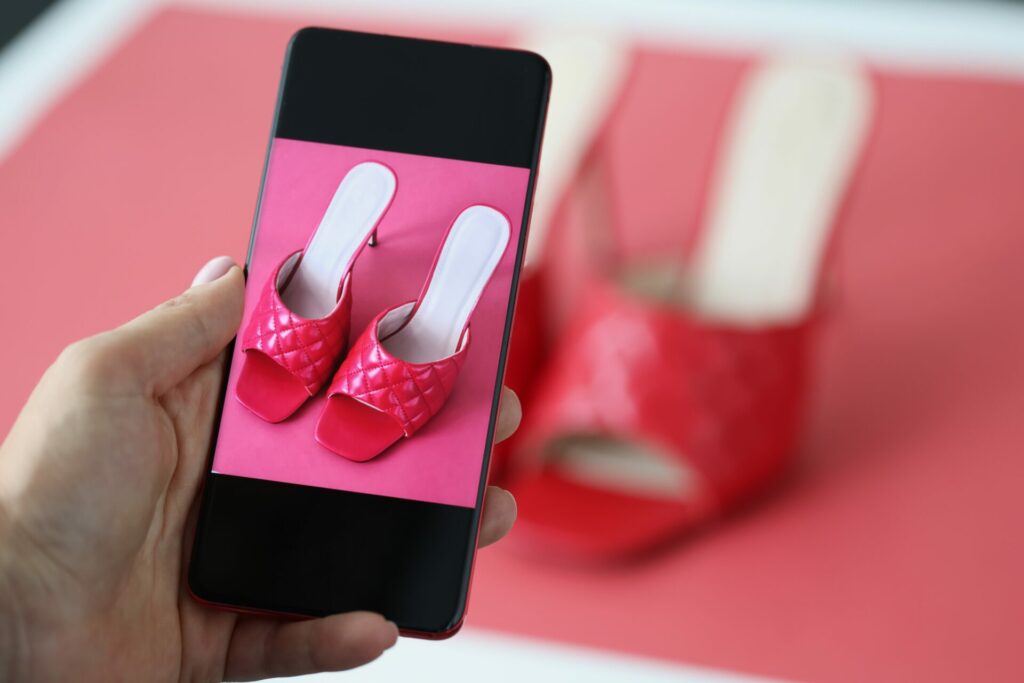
column 675, row 396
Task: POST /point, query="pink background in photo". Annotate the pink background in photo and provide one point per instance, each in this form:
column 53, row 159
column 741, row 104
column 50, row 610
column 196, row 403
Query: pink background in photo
column 442, row 462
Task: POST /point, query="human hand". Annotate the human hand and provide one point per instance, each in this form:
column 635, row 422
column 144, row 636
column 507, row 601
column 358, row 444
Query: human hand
column 99, row 479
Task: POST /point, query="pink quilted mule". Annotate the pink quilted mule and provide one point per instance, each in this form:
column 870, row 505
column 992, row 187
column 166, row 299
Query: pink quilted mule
column 403, row 367
column 300, row 325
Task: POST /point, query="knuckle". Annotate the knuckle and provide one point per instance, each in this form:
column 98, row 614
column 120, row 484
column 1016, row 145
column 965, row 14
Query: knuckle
column 196, row 321
column 92, row 362
column 180, row 301
column 80, row 354
column 187, row 313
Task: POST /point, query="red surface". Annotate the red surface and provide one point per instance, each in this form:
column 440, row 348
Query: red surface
column 894, row 554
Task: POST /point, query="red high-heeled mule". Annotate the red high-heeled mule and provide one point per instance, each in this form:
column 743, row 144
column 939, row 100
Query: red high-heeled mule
column 299, row 328
column 663, row 409
column 404, row 366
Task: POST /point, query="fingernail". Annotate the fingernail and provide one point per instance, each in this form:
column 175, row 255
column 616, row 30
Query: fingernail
column 213, row 269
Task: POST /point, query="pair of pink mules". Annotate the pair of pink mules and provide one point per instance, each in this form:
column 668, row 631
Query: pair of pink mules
column 400, row 371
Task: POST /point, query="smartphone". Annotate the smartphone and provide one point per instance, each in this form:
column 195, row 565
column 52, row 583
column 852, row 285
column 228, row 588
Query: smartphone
column 350, row 455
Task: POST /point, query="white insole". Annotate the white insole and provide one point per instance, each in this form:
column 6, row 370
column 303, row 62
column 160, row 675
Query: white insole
column 589, row 70
column 470, row 254
column 360, row 200
column 625, row 467
column 791, row 143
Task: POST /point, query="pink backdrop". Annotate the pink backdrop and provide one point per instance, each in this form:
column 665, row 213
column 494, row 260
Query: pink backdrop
column 441, row 464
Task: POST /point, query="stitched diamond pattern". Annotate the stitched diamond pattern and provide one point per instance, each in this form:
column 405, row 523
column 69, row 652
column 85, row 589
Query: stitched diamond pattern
column 411, row 393
column 727, row 400
column 308, row 349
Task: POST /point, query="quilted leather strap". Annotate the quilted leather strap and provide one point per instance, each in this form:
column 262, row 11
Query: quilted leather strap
column 724, row 400
column 411, row 393
column 308, row 349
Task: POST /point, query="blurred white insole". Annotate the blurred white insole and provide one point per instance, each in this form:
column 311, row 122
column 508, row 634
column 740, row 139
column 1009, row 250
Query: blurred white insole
column 789, row 150
column 357, row 205
column 622, row 466
column 591, row 68
column 470, row 254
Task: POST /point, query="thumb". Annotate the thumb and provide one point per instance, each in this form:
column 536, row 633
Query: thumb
column 213, row 269
column 162, row 347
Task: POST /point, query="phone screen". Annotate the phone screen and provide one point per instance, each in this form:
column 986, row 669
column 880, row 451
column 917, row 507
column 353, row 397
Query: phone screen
column 351, row 454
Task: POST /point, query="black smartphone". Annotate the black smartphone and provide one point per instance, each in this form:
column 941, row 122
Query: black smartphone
column 351, row 451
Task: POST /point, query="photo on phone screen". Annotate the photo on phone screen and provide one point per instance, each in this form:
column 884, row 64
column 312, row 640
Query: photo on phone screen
column 326, row 199
column 350, row 457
